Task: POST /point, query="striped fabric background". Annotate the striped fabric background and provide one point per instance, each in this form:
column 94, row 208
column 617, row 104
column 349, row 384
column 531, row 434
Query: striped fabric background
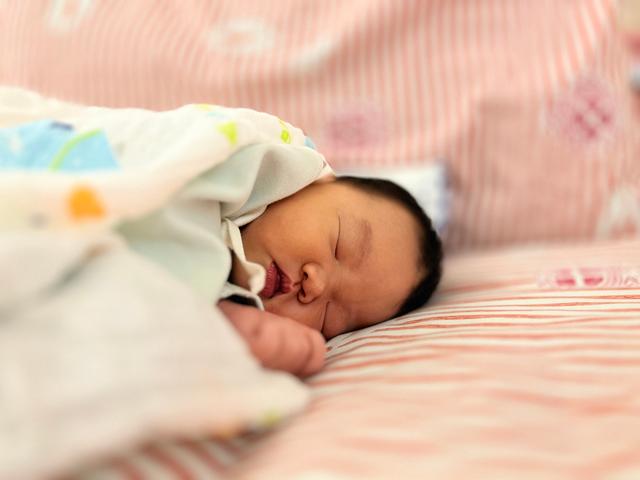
column 526, row 366
column 527, row 102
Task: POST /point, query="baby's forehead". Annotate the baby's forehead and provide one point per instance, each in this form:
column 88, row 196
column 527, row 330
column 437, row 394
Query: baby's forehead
column 351, row 200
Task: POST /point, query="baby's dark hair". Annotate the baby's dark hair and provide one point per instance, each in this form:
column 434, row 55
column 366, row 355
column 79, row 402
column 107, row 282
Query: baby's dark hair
column 429, row 242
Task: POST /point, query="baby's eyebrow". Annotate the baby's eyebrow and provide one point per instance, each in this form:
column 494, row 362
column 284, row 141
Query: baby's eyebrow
column 364, row 233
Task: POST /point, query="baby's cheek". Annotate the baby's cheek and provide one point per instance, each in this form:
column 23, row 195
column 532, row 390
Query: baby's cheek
column 333, row 328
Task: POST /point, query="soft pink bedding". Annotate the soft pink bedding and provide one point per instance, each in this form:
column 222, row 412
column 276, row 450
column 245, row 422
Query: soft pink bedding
column 528, row 103
column 526, row 366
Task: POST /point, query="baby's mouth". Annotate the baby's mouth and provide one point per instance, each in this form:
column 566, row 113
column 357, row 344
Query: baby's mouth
column 275, row 283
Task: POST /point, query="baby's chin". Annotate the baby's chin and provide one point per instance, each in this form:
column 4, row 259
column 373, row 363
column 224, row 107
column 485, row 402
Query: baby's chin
column 270, row 307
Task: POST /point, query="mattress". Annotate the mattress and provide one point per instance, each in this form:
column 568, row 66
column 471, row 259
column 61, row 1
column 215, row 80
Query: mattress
column 526, row 365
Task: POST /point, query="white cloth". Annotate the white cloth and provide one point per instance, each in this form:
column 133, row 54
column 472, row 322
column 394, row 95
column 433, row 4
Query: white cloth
column 104, row 346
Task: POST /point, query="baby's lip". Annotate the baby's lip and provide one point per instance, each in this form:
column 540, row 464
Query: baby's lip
column 276, row 282
column 285, row 281
column 270, row 282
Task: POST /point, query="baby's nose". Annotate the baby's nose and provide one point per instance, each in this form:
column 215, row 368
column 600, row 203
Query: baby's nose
column 314, row 282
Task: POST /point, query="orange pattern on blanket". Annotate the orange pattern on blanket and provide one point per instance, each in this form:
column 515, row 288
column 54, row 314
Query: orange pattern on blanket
column 85, row 204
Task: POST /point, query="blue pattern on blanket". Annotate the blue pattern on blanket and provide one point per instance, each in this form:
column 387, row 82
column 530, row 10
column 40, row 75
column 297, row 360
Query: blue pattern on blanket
column 54, row 146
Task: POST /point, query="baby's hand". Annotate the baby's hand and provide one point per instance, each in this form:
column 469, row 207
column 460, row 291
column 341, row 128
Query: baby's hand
column 277, row 342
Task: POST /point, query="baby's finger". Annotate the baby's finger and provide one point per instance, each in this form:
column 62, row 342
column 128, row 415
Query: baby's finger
column 244, row 319
column 317, row 350
column 288, row 349
column 267, row 345
column 302, row 350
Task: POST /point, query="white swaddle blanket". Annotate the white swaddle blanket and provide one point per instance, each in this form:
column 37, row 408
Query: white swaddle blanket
column 109, row 334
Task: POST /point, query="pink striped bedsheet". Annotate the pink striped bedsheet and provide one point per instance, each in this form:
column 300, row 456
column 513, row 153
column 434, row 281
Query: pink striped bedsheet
column 526, row 366
column 528, row 102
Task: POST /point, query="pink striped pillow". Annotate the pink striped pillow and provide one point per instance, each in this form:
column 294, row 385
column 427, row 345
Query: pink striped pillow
column 528, row 102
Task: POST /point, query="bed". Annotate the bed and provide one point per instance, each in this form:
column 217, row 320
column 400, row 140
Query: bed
column 527, row 365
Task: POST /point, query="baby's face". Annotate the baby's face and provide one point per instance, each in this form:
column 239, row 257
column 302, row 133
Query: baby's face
column 344, row 258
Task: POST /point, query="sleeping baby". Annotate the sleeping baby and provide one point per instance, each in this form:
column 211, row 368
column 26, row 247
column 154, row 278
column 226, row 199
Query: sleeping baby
column 235, row 204
column 340, row 255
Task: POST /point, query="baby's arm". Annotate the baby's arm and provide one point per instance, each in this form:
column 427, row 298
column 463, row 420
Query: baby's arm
column 277, row 342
